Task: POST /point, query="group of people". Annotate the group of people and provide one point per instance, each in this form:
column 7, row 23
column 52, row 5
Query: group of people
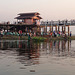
column 55, row 34
column 58, row 33
column 20, row 33
column 2, row 32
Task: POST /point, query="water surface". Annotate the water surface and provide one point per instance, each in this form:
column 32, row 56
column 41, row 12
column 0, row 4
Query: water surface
column 18, row 57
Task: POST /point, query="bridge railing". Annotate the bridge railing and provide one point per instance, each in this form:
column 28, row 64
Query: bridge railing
column 71, row 22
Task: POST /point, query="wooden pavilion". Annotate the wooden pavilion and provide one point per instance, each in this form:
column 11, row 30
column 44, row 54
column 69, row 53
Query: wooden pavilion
column 29, row 22
column 29, row 18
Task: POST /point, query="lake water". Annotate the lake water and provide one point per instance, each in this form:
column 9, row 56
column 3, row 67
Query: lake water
column 18, row 57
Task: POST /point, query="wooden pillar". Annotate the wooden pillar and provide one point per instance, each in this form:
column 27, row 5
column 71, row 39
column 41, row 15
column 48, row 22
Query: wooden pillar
column 4, row 28
column 40, row 30
column 52, row 28
column 68, row 30
column 15, row 29
column 46, row 30
column 7, row 28
column 56, row 28
column 62, row 28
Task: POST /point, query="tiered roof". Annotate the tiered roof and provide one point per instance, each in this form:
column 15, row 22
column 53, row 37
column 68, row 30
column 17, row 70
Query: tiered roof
column 28, row 15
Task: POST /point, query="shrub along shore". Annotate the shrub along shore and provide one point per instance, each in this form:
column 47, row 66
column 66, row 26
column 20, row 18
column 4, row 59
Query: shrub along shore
column 37, row 38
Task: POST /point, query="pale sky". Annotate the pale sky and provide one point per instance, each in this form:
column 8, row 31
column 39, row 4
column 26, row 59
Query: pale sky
column 49, row 9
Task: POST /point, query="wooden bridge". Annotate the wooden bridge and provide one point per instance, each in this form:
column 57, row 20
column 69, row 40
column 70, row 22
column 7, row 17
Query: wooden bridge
column 44, row 24
column 57, row 24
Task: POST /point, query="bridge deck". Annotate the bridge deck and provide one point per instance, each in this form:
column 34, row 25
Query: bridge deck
column 58, row 23
column 44, row 23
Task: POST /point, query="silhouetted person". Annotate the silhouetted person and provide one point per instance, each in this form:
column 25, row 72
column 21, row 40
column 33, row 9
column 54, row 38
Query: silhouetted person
column 70, row 34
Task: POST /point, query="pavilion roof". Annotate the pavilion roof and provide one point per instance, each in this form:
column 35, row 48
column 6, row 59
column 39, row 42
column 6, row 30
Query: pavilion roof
column 28, row 17
column 33, row 13
column 24, row 17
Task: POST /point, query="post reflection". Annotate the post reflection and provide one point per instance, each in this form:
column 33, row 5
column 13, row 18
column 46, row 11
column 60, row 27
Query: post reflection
column 57, row 47
column 28, row 53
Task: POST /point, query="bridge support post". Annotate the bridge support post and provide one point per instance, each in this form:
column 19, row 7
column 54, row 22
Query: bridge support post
column 56, row 28
column 7, row 28
column 40, row 30
column 44, row 29
column 62, row 28
column 52, row 28
column 68, row 30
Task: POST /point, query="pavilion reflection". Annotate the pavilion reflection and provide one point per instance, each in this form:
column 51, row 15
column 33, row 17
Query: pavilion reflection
column 28, row 55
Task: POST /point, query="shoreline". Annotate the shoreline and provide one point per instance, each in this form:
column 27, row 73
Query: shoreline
column 37, row 38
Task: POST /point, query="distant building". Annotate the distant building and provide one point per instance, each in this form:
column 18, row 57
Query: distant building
column 29, row 18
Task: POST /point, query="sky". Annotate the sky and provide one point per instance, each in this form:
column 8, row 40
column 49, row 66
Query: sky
column 48, row 9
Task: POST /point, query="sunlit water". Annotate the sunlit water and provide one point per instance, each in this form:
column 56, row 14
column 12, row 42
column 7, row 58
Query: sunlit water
column 44, row 58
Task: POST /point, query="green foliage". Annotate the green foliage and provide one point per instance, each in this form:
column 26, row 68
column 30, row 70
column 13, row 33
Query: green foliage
column 39, row 38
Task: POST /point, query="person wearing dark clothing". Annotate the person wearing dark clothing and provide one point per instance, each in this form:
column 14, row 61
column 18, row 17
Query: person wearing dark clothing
column 70, row 34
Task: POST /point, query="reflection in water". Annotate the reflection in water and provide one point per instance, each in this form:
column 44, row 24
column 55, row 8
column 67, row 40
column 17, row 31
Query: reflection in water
column 28, row 53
